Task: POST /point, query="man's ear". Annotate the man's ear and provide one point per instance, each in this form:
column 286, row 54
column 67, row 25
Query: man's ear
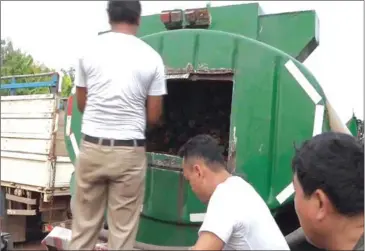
column 197, row 170
column 323, row 204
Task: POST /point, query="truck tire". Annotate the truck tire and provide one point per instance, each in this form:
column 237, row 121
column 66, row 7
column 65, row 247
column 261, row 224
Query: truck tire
column 3, row 243
column 6, row 242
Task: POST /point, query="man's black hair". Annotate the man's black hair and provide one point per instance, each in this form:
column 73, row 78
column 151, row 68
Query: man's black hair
column 205, row 147
column 334, row 163
column 124, row 11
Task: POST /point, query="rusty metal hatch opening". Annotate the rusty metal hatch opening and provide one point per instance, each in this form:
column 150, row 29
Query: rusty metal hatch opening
column 198, row 102
column 201, row 73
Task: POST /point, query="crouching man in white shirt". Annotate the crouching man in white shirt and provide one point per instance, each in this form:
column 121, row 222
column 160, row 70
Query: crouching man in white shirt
column 237, row 218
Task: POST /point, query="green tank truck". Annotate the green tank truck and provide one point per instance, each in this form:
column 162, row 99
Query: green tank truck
column 237, row 74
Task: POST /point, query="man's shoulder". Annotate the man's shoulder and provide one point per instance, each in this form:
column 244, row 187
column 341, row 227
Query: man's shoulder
column 137, row 45
column 236, row 190
column 147, row 49
column 235, row 182
column 229, row 189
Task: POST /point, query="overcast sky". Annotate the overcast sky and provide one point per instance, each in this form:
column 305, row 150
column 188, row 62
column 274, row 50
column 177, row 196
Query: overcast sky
column 51, row 31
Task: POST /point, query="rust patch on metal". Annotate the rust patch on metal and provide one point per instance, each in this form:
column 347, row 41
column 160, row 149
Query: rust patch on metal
column 181, row 197
column 231, row 163
column 172, row 164
column 165, row 161
column 201, row 73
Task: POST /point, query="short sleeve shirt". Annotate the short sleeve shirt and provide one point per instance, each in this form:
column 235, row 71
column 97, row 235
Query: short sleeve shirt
column 119, row 71
column 241, row 219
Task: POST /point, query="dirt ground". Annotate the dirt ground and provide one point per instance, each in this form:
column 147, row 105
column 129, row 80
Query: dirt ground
column 31, row 245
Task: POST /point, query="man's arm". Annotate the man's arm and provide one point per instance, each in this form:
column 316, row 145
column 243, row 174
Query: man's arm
column 80, row 82
column 208, row 241
column 155, row 95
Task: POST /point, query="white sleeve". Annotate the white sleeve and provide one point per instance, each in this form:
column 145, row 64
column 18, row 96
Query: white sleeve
column 158, row 84
column 219, row 218
column 80, row 76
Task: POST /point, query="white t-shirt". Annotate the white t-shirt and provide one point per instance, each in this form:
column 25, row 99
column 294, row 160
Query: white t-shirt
column 241, row 219
column 119, row 72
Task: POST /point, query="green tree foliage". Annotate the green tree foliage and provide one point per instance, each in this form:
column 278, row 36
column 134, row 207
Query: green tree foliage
column 67, row 82
column 16, row 62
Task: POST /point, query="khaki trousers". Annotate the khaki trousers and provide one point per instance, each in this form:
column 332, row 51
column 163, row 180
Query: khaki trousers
column 108, row 177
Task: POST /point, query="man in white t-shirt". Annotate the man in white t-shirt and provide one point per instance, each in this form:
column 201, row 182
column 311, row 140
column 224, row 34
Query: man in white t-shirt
column 237, row 218
column 120, row 83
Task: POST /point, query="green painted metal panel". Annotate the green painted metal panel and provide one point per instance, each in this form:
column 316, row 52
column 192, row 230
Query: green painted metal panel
column 162, row 194
column 352, row 125
column 281, row 32
column 263, row 112
column 188, row 47
column 236, row 19
column 166, row 234
column 206, row 56
column 75, row 127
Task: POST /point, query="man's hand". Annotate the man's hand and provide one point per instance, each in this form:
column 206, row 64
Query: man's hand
column 154, row 109
column 81, row 95
column 208, row 241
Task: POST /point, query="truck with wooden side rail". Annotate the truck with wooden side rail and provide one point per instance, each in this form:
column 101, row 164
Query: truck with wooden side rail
column 35, row 167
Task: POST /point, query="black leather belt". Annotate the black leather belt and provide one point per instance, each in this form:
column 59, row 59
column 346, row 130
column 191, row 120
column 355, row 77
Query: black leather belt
column 114, row 142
